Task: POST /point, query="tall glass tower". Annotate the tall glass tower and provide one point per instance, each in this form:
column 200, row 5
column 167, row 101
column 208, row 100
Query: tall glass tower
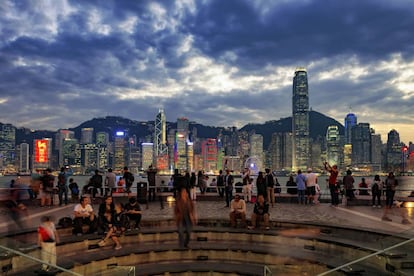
column 350, row 121
column 300, row 120
column 160, row 141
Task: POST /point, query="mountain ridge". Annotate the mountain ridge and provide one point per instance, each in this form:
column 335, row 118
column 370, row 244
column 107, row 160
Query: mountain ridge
column 141, row 129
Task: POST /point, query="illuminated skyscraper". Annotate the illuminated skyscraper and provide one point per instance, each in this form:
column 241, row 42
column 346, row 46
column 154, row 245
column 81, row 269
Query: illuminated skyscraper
column 160, row 141
column 181, row 145
column 86, row 135
column 300, row 120
column 376, row 156
column 209, row 153
column 71, row 154
column 24, row 158
column 59, row 137
column 361, row 144
column 7, row 145
column 102, row 138
column 393, row 151
column 147, row 154
column 119, row 151
column 280, row 151
column 256, row 149
column 350, row 121
column 333, row 148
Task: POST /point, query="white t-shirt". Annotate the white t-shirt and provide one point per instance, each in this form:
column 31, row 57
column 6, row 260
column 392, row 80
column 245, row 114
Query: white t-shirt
column 84, row 211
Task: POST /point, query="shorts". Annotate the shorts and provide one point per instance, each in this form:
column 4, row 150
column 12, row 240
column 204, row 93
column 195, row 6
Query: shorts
column 311, row 190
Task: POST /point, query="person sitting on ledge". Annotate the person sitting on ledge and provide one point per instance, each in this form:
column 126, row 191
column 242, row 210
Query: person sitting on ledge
column 237, row 211
column 84, row 215
column 260, row 213
column 364, row 186
column 133, row 212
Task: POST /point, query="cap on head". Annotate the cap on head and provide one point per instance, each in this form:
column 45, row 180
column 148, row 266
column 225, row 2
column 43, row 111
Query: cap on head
column 309, row 170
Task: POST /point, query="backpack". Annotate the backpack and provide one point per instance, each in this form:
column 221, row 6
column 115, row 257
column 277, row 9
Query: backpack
column 65, row 222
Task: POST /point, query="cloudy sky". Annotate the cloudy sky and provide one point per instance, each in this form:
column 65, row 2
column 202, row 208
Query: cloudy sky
column 216, row 62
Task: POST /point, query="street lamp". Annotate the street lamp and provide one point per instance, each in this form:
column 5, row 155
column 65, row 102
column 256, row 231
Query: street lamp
column 404, row 157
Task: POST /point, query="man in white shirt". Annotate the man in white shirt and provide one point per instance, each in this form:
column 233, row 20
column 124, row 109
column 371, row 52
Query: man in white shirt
column 311, row 181
column 237, row 211
column 110, row 179
column 83, row 215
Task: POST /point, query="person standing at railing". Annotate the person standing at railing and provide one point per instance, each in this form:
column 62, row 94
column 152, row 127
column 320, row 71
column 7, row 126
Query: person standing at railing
column 376, row 191
column 228, row 186
column 247, row 193
column 311, row 180
column 62, row 186
column 301, row 186
column 202, row 182
column 220, row 184
column 333, row 187
column 151, row 172
column 348, row 181
column 193, row 186
column 270, row 184
column 129, row 180
column 46, row 193
column 261, row 185
column 390, row 186
column 110, row 179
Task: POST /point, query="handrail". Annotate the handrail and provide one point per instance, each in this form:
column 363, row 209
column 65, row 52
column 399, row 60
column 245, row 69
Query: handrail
column 366, row 257
column 38, row 260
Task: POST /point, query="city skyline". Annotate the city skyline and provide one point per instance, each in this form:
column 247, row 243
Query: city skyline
column 218, row 63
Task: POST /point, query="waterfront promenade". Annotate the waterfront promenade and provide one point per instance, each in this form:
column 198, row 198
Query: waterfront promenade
column 158, row 231
column 364, row 217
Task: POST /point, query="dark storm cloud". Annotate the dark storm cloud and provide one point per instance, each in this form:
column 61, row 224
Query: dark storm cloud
column 295, row 32
column 215, row 62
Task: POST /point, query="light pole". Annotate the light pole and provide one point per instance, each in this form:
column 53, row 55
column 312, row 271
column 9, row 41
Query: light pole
column 404, row 157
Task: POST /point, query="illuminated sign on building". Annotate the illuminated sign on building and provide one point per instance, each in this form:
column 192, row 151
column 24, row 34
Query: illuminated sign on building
column 120, row 133
column 42, row 149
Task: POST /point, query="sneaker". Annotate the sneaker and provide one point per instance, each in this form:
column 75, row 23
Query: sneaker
column 102, row 243
column 267, row 228
column 118, row 247
column 405, row 221
column 386, row 219
column 379, row 206
column 250, row 227
column 374, row 206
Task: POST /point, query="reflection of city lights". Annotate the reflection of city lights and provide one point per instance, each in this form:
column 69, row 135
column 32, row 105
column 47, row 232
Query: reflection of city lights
column 408, row 204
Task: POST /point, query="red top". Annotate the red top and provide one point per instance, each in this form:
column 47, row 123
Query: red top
column 332, row 177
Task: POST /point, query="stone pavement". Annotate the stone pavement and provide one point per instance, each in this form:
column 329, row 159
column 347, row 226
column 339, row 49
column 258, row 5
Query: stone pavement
column 360, row 217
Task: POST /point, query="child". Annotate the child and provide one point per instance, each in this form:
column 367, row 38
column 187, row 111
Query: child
column 74, row 189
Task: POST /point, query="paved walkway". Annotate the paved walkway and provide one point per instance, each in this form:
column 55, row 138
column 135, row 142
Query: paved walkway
column 351, row 217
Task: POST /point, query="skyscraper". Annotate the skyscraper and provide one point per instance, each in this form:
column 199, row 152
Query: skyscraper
column 86, row 135
column 333, row 148
column 361, row 144
column 300, row 120
column 160, row 141
column 7, row 145
column 350, row 121
column 24, row 158
column 393, row 151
